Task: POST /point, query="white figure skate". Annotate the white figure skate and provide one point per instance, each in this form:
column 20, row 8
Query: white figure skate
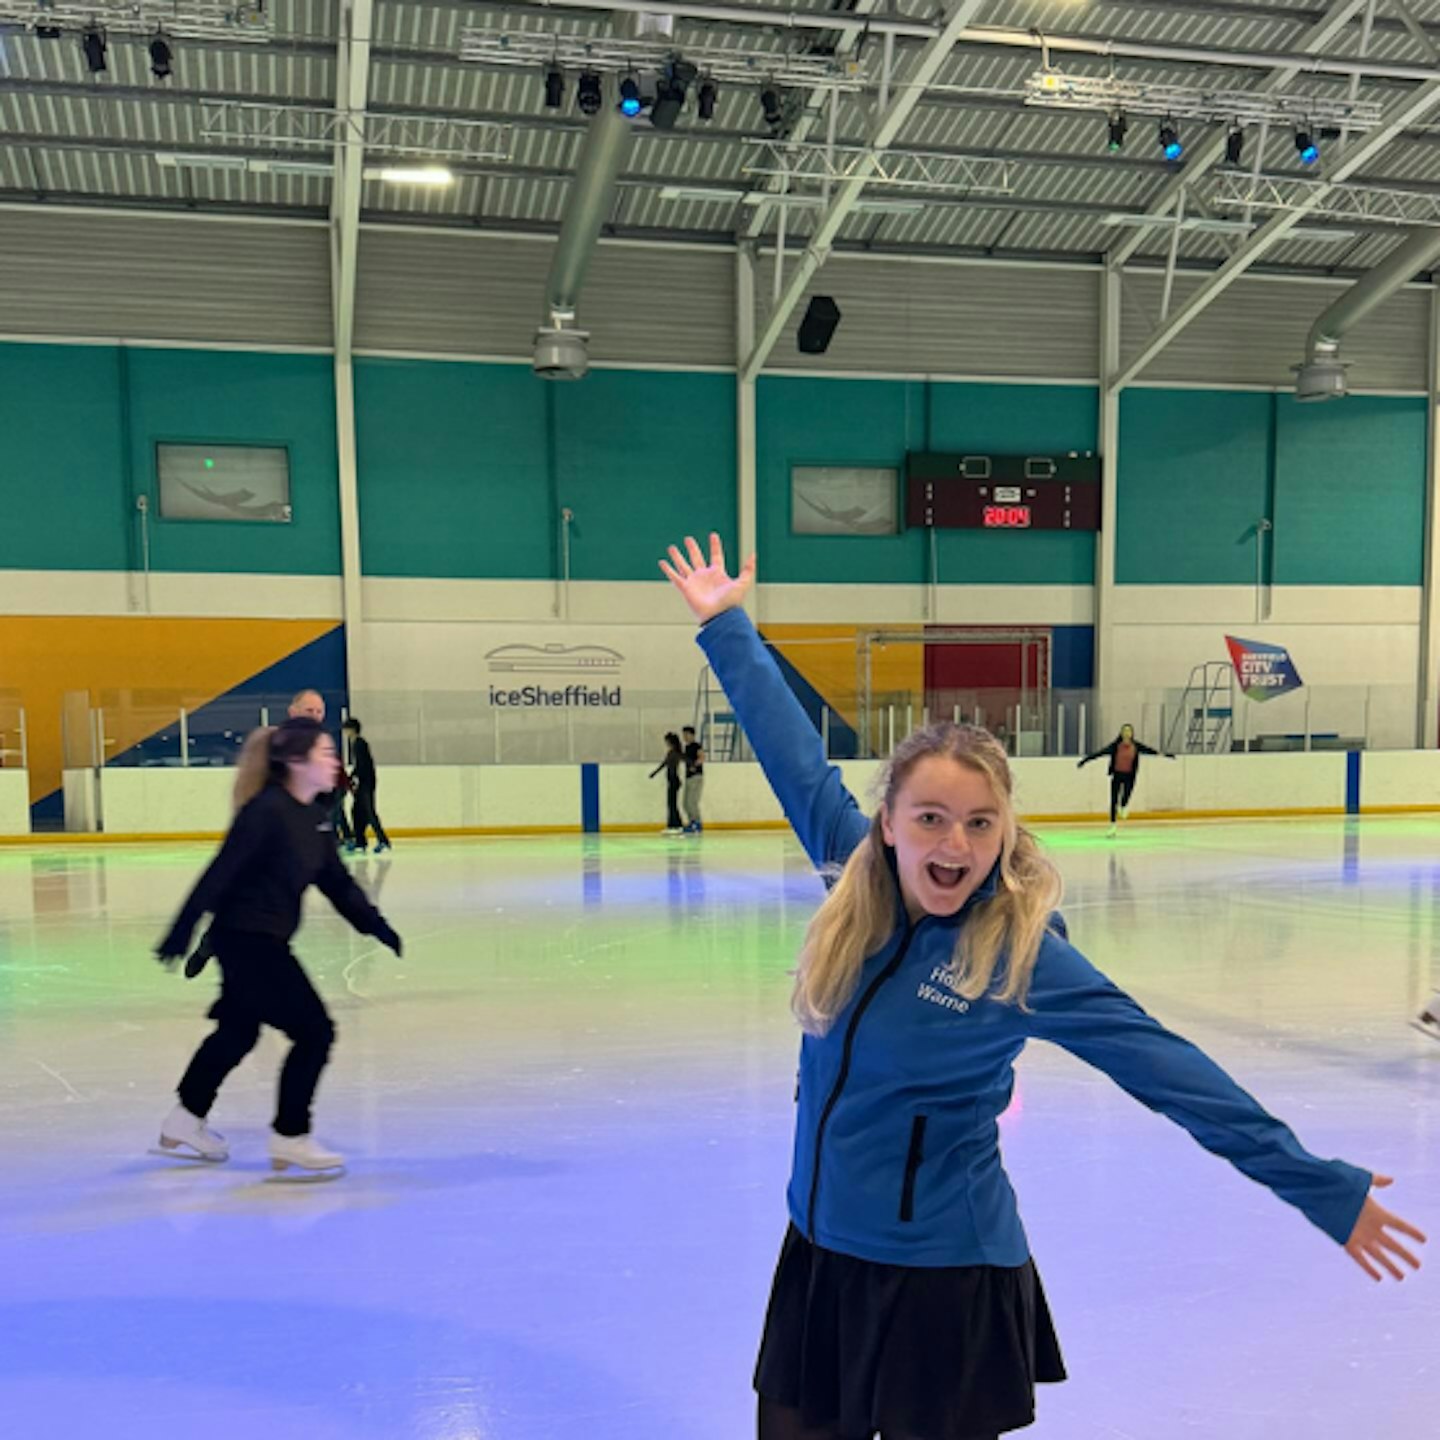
column 184, row 1136
column 304, row 1154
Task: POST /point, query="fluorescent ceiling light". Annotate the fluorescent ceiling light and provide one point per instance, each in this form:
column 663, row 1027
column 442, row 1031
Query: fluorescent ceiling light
column 174, row 161
column 318, row 168
column 814, row 202
column 1220, row 226
column 684, row 192
column 413, row 175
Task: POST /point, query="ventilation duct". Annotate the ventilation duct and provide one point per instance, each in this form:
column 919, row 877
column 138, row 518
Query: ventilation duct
column 1321, row 376
column 561, row 348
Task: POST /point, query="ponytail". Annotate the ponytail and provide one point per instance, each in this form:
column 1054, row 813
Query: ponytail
column 252, row 770
column 267, row 753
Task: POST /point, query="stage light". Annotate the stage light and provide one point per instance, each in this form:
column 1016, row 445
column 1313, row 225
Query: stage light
column 773, row 106
column 96, row 47
column 1306, row 148
column 1170, row 140
column 589, row 94
column 554, row 88
column 705, row 99
column 630, row 102
column 162, row 58
column 1118, row 125
column 1234, row 145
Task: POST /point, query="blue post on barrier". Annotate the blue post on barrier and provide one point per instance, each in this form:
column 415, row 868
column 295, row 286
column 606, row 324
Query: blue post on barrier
column 590, row 798
column 1352, row 782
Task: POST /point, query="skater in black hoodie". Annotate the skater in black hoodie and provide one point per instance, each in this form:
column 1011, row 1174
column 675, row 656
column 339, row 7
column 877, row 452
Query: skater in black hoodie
column 279, row 844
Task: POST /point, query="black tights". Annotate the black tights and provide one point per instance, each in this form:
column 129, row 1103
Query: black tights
column 262, row 984
column 1122, row 787
column 783, row 1422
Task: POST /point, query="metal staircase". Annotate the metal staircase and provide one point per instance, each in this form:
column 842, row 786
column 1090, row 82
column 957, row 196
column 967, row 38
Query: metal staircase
column 1205, row 724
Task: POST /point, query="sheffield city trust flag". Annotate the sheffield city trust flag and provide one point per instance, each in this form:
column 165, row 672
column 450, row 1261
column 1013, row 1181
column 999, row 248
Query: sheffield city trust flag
column 1264, row 671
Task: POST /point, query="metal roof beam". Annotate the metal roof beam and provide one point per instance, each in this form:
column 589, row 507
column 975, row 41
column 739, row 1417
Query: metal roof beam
column 351, row 98
column 926, row 66
column 1420, row 103
column 849, row 39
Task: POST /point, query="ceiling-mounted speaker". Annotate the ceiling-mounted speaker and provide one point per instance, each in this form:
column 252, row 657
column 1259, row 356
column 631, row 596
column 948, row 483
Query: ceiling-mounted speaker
column 817, row 329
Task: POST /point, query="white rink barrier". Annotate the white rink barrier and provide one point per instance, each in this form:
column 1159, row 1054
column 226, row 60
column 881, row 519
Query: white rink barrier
column 14, row 802
column 459, row 799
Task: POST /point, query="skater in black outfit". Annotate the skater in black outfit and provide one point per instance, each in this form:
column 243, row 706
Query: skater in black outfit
column 694, row 781
column 279, row 844
column 366, row 815
column 1124, row 752
column 674, row 759
column 306, row 705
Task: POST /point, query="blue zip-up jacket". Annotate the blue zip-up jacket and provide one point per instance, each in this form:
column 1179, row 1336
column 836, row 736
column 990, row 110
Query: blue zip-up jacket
column 897, row 1146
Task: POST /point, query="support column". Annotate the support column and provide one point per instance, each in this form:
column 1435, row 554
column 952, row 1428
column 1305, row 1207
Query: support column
column 1105, row 658
column 352, row 97
column 1427, row 719
column 348, row 474
column 745, row 429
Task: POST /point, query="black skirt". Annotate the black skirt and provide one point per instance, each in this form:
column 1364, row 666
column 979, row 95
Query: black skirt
column 920, row 1354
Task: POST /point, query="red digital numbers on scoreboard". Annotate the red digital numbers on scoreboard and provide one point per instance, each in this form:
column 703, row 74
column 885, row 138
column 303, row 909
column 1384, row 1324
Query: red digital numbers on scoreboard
column 1007, row 517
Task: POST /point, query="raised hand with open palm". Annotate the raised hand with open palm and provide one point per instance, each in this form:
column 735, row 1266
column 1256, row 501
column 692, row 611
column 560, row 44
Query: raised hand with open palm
column 708, row 587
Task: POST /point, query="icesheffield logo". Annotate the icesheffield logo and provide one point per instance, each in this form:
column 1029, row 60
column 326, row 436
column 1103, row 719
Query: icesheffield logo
column 538, row 697
column 1264, row 671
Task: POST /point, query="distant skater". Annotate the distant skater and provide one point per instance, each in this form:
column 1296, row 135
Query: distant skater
column 364, row 810
column 694, row 781
column 671, row 765
column 1124, row 752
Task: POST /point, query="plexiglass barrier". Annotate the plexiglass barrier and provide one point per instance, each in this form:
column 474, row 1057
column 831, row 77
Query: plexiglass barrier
column 170, row 728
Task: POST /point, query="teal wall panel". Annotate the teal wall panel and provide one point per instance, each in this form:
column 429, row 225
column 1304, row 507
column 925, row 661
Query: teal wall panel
column 240, row 398
column 81, row 423
column 809, row 421
column 1343, row 484
column 454, row 479
column 1194, row 479
column 60, row 473
column 1350, row 491
column 643, row 459
column 465, row 468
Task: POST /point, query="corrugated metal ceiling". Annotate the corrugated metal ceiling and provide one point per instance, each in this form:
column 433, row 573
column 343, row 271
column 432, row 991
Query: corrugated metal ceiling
column 67, row 136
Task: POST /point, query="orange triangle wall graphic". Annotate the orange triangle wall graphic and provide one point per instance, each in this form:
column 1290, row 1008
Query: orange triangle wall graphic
column 825, row 656
column 161, row 664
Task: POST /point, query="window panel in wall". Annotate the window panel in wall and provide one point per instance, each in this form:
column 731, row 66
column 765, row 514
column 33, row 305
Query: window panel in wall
column 224, row 482
column 844, row 500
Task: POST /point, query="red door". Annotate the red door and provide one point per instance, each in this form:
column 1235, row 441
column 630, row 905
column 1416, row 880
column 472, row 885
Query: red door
column 989, row 681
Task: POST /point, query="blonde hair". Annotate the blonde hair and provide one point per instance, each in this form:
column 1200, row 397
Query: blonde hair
column 252, row 769
column 1002, row 934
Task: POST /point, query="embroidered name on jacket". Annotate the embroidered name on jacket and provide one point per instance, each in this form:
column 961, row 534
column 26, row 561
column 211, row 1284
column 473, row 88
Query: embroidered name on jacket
column 947, row 998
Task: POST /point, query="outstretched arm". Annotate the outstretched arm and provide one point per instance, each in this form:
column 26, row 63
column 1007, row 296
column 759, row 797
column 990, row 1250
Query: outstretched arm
column 338, row 886
column 1076, row 1007
column 824, row 813
column 1103, row 750
column 242, row 843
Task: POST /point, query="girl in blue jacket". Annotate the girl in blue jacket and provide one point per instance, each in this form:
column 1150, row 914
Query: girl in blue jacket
column 935, row 956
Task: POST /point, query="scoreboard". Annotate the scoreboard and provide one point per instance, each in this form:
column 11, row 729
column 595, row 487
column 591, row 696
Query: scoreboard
column 1002, row 492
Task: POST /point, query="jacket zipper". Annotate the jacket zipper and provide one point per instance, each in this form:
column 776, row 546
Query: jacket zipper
column 844, row 1074
column 913, row 1157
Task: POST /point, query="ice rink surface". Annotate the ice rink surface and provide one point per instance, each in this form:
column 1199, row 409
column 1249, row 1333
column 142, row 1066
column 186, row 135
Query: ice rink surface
column 568, row 1109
